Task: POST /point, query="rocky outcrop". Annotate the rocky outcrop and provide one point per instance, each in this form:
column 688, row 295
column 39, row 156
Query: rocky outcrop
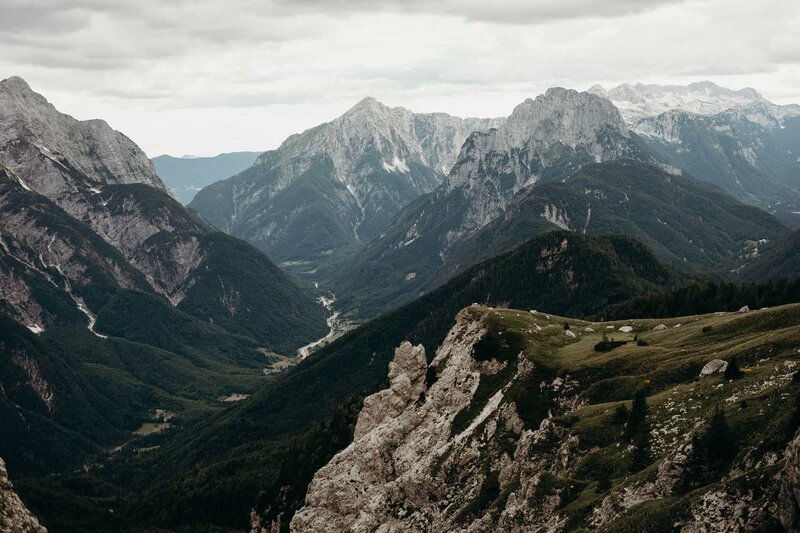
column 367, row 484
column 424, row 467
column 14, row 516
column 789, row 511
column 406, row 383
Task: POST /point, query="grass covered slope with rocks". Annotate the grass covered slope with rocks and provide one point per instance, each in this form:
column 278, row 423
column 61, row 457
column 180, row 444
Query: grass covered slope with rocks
column 519, row 424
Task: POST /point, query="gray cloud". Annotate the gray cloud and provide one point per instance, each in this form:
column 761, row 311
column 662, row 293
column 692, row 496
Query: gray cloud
column 167, row 72
column 507, row 12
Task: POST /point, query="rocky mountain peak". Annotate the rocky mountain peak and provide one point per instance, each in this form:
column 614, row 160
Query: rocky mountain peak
column 38, row 142
column 367, row 104
column 563, row 115
column 598, row 89
column 366, row 165
column 16, row 85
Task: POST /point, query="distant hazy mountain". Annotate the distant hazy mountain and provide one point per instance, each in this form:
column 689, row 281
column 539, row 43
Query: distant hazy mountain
column 188, row 174
column 702, row 98
column 736, row 140
column 325, row 192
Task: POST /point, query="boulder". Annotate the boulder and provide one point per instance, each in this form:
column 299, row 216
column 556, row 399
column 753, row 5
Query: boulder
column 744, row 309
column 626, row 329
column 660, row 327
column 570, row 334
column 714, row 366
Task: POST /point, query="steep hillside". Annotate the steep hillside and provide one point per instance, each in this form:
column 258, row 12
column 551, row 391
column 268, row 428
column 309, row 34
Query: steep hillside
column 685, row 223
column 107, row 186
column 751, row 154
column 326, row 191
column 774, row 260
column 70, row 395
column 272, row 444
column 185, row 176
column 519, row 424
column 545, row 139
column 116, row 303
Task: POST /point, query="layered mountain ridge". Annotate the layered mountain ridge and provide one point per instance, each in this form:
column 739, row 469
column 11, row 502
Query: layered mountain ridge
column 736, row 140
column 639, row 100
column 479, row 209
column 185, row 176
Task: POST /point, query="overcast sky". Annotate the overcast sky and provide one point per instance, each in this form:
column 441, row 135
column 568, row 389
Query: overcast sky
column 208, row 76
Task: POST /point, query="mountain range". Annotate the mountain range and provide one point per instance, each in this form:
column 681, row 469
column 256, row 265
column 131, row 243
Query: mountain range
column 524, row 178
column 325, row 192
column 559, row 299
column 736, row 140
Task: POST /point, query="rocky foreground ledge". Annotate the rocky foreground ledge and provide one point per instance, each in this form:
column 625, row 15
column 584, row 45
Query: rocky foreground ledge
column 529, row 422
column 14, row 516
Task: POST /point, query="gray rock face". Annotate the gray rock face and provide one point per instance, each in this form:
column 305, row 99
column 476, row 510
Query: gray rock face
column 85, row 214
column 39, row 244
column 417, row 463
column 14, row 516
column 388, row 460
column 78, row 165
column 398, row 135
column 558, row 131
column 789, row 512
column 41, row 145
column 545, row 139
column 406, row 383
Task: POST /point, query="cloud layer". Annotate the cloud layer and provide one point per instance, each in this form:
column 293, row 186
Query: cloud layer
column 206, row 76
